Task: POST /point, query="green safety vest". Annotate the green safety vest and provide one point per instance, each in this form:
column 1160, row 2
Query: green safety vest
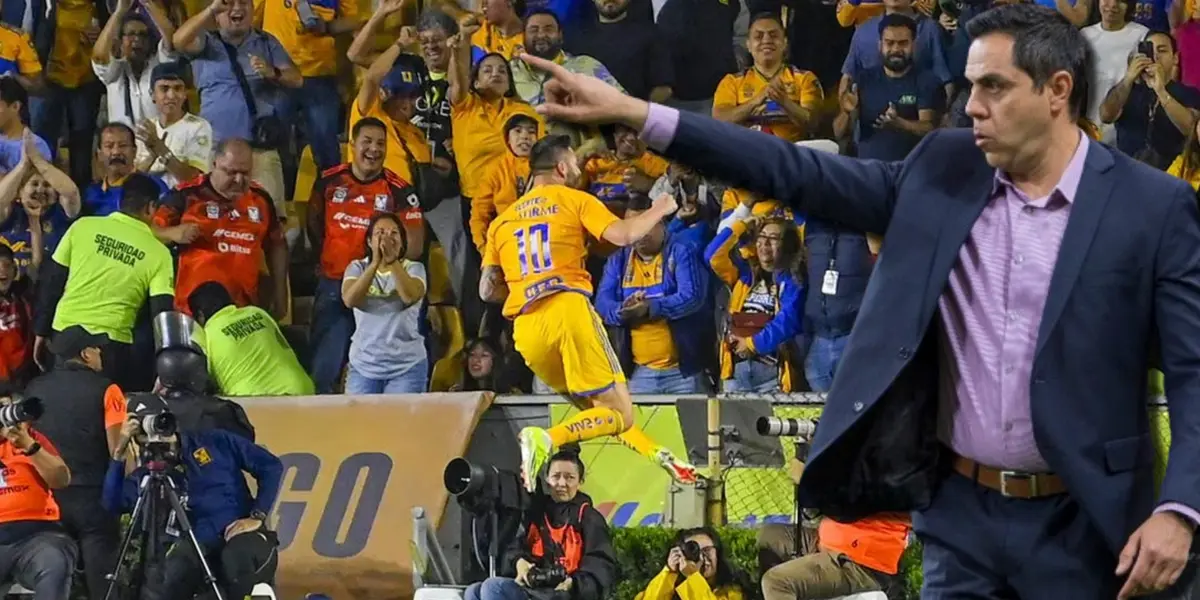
column 248, row 355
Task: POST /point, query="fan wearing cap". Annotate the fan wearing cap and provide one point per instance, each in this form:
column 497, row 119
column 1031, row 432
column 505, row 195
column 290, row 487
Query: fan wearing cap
column 84, row 411
column 177, row 145
column 390, row 93
column 247, row 353
column 34, row 550
column 228, row 521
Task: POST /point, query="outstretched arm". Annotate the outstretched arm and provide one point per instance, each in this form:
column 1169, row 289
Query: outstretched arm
column 860, row 194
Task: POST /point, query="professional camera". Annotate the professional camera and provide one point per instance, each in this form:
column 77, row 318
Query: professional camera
column 159, row 427
column 548, row 576
column 690, row 550
column 20, row 410
column 779, row 427
column 483, row 489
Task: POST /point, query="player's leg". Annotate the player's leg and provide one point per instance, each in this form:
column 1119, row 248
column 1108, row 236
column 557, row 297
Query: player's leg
column 537, row 336
column 597, row 385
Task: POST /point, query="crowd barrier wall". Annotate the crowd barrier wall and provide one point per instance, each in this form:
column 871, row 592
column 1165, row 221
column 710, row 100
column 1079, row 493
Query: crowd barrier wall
column 356, row 465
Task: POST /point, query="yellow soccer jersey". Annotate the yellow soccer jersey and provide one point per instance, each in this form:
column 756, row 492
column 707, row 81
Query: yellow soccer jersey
column 540, row 242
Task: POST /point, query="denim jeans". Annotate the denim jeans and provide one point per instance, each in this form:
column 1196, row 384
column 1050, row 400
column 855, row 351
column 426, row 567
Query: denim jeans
column 824, row 354
column 663, row 381
column 496, row 588
column 412, row 381
column 76, row 109
column 329, row 338
column 753, row 376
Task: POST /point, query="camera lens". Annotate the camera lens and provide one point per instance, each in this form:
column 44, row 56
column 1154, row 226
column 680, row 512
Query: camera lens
column 691, row 550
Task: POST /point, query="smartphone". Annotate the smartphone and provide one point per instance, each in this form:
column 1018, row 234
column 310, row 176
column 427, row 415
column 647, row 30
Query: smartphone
column 1147, row 49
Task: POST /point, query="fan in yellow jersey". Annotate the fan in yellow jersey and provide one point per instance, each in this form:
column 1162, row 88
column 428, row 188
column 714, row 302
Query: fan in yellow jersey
column 533, row 263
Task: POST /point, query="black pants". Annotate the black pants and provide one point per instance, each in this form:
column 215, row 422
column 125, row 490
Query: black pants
column 244, row 561
column 42, row 562
column 95, row 530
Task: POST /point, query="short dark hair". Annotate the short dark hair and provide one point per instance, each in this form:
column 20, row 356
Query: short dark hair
column 364, row 123
column 11, row 91
column 767, row 16
column 207, row 299
column 898, row 20
column 117, row 126
column 434, row 18
column 1174, row 43
column 7, row 252
column 133, row 18
column 138, row 193
column 1044, row 43
column 546, row 152
column 546, row 12
column 569, row 454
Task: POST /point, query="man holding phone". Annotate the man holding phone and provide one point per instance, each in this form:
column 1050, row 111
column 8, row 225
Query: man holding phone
column 1151, row 109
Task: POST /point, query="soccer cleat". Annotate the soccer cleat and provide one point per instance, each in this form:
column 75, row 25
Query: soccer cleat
column 682, row 472
column 536, row 446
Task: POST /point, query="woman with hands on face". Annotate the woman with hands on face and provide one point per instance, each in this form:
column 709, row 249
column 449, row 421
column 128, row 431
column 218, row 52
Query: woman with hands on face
column 710, row 577
column 385, row 291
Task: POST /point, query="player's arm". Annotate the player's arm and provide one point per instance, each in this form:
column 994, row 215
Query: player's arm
column 629, row 230
column 492, row 287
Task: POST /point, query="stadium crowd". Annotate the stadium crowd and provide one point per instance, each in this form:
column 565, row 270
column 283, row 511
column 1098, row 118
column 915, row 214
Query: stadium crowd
column 313, row 181
column 356, row 155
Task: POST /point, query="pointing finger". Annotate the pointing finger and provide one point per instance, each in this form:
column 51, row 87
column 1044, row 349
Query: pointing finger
column 551, row 67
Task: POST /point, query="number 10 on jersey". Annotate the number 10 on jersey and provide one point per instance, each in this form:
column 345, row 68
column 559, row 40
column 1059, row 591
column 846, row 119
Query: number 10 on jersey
column 533, row 248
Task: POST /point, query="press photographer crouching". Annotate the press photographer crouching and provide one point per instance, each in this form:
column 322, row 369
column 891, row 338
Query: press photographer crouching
column 34, row 550
column 696, row 569
column 205, row 469
column 564, row 550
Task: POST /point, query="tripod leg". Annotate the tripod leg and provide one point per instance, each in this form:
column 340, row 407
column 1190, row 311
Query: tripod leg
column 138, row 507
column 185, row 526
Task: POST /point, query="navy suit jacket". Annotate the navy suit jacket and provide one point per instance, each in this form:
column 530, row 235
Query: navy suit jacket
column 1125, row 291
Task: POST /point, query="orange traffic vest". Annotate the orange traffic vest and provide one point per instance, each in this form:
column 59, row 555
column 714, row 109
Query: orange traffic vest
column 876, row 542
column 567, row 537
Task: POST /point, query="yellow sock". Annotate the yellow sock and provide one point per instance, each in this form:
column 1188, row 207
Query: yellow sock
column 637, row 440
column 586, row 425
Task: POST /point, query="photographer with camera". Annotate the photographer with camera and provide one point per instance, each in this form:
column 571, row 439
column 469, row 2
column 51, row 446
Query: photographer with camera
column 565, row 551
column 84, row 411
column 697, row 569
column 207, row 468
column 34, row 550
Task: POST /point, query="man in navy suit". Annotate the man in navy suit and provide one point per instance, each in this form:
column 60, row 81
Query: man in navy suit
column 995, row 381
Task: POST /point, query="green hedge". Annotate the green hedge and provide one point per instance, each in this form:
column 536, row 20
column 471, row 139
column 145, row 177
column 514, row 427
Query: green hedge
column 640, row 552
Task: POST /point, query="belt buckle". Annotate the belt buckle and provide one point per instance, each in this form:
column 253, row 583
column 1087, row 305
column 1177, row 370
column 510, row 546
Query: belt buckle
column 1006, row 476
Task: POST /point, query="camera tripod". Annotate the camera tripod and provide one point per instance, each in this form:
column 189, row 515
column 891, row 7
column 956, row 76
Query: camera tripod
column 154, row 487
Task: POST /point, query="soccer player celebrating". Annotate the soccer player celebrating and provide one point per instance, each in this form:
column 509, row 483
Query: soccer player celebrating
column 537, row 247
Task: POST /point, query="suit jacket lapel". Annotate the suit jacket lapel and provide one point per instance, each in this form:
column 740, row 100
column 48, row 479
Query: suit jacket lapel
column 1095, row 190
